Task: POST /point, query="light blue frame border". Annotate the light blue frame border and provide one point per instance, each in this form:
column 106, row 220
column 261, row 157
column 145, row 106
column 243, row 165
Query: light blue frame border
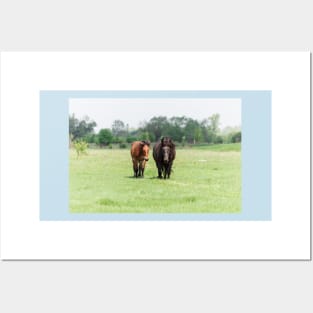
column 256, row 155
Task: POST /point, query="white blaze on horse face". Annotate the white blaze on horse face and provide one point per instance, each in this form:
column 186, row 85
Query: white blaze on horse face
column 145, row 150
column 166, row 153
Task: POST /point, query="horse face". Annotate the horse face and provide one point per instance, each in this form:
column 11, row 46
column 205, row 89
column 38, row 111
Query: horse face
column 145, row 152
column 166, row 154
column 166, row 141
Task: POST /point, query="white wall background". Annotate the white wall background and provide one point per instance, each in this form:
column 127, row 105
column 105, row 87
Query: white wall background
column 36, row 286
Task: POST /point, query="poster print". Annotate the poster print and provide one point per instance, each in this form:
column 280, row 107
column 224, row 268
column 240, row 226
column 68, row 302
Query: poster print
column 155, row 157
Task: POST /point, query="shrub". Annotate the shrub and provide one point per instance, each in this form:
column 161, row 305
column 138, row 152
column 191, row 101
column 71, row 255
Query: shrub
column 123, row 145
column 90, row 138
column 131, row 139
column 236, row 137
column 80, row 147
column 218, row 139
column 104, row 137
column 117, row 139
column 144, row 136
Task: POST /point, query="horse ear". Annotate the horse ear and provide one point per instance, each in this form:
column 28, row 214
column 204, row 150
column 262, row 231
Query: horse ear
column 162, row 140
column 145, row 142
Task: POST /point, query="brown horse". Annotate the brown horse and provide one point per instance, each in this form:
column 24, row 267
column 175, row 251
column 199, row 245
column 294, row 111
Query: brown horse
column 140, row 155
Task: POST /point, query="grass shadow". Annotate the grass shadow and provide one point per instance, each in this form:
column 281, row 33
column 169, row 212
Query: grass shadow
column 139, row 177
column 155, row 177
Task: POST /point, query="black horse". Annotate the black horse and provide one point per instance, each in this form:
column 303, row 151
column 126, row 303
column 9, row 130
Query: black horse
column 164, row 153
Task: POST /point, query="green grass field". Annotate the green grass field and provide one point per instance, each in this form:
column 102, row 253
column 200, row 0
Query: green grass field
column 205, row 179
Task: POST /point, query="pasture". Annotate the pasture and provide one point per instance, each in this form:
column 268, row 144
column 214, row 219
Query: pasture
column 205, row 179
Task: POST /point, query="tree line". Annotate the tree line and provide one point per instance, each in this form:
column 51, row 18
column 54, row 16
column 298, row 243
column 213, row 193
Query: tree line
column 181, row 129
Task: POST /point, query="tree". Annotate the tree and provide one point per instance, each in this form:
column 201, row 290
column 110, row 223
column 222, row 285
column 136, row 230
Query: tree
column 198, row 134
column 105, row 137
column 236, row 137
column 214, row 123
column 183, row 141
column 73, row 124
column 156, row 127
column 192, row 131
column 117, row 139
column 210, row 128
column 131, row 139
column 118, row 128
column 204, row 126
column 79, row 129
column 176, row 127
column 218, row 139
column 90, row 138
column 144, row 136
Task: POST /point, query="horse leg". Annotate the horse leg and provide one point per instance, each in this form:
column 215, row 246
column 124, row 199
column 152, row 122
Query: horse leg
column 159, row 170
column 139, row 170
column 142, row 167
column 135, row 167
column 169, row 170
column 165, row 170
column 159, row 173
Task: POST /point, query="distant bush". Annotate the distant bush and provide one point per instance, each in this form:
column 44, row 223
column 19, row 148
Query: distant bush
column 218, row 139
column 110, row 146
column 123, row 145
column 104, row 137
column 131, row 139
column 90, row 138
column 117, row 139
column 236, row 137
column 144, row 136
column 80, row 147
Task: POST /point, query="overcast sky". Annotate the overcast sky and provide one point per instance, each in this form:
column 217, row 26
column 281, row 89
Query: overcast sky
column 134, row 111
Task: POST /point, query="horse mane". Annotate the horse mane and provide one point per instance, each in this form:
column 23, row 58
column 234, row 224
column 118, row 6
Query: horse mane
column 146, row 142
column 169, row 142
column 142, row 144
